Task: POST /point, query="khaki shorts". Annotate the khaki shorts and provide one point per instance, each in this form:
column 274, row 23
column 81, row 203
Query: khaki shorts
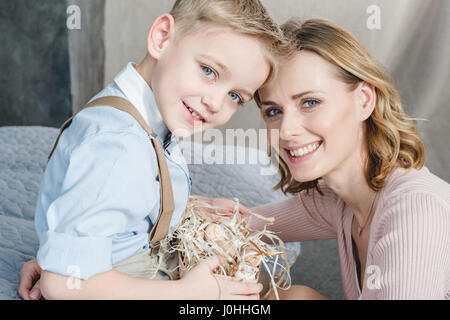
column 149, row 265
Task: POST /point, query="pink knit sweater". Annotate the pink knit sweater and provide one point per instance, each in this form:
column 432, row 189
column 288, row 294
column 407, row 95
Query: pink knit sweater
column 409, row 247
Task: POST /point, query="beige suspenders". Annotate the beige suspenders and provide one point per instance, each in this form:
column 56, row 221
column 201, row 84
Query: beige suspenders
column 161, row 226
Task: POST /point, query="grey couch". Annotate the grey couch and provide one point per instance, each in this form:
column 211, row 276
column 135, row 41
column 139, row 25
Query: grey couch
column 23, row 156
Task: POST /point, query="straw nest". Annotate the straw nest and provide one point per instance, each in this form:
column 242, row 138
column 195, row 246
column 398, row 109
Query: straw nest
column 206, row 231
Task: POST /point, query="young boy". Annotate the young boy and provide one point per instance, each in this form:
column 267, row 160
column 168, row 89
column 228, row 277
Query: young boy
column 100, row 197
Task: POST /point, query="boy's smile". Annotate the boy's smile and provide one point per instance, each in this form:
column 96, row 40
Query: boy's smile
column 193, row 114
column 204, row 76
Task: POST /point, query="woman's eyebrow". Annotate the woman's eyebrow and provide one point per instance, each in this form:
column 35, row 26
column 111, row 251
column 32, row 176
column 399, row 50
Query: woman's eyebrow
column 268, row 103
column 299, row 95
column 294, row 97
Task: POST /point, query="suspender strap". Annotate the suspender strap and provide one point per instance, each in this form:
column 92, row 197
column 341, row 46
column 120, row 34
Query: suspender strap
column 161, row 226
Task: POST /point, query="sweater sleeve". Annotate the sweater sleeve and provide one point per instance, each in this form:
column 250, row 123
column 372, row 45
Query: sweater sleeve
column 305, row 216
column 412, row 258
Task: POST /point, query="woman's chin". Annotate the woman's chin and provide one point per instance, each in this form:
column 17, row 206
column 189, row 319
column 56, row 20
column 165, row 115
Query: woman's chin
column 302, row 177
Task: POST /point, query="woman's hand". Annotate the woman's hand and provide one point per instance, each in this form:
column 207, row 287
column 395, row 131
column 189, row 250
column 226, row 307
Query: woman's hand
column 201, row 283
column 29, row 281
column 226, row 205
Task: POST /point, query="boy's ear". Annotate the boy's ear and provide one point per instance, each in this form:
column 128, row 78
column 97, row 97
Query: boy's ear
column 367, row 98
column 160, row 33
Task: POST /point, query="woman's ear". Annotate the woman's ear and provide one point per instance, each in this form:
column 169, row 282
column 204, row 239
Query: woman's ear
column 367, row 98
column 162, row 30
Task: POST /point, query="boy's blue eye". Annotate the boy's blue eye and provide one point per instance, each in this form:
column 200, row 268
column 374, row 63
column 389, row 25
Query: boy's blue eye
column 272, row 112
column 235, row 97
column 310, row 103
column 208, row 72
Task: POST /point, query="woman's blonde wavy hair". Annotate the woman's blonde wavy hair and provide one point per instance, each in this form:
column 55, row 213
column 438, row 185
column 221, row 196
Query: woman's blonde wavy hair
column 391, row 136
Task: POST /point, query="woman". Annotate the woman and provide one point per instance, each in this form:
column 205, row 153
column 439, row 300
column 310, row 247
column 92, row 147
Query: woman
column 354, row 162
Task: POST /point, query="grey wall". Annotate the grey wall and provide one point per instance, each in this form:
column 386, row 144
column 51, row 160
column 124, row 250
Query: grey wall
column 87, row 52
column 47, row 70
column 126, row 27
column 34, row 63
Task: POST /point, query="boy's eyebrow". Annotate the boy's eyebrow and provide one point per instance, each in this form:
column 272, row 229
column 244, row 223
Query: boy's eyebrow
column 247, row 93
column 221, row 65
column 225, row 70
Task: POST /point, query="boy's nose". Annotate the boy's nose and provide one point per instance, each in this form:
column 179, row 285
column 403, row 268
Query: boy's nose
column 211, row 104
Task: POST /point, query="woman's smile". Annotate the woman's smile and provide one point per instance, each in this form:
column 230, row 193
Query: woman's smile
column 303, row 152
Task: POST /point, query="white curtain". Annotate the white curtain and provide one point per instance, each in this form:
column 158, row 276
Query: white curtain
column 412, row 42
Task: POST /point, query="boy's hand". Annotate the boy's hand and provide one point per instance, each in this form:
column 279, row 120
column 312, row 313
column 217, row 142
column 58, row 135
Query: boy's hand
column 202, row 284
column 226, row 204
column 29, row 281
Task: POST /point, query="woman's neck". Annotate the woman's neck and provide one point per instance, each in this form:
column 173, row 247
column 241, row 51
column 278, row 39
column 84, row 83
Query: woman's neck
column 348, row 181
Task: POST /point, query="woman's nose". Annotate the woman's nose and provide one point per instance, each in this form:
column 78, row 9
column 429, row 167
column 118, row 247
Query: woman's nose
column 291, row 127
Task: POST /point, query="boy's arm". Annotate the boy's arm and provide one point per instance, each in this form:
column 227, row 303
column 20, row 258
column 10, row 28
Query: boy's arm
column 199, row 283
column 107, row 285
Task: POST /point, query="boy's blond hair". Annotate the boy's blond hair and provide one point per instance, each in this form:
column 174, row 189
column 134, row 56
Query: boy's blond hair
column 248, row 17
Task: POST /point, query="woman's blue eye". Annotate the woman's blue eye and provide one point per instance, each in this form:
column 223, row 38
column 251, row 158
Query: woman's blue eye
column 235, row 97
column 272, row 112
column 208, row 72
column 310, row 103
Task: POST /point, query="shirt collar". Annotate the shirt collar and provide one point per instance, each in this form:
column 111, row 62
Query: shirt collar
column 141, row 96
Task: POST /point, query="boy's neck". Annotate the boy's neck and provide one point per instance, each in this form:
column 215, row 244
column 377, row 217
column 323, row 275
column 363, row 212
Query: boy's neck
column 145, row 69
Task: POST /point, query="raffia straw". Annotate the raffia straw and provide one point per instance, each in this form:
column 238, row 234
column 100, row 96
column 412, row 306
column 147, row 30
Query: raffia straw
column 202, row 234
